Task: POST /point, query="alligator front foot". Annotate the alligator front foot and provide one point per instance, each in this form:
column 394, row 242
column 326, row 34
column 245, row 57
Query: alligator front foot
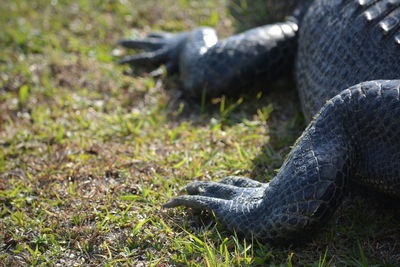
column 159, row 48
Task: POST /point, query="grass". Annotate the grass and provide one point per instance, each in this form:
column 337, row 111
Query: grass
column 88, row 154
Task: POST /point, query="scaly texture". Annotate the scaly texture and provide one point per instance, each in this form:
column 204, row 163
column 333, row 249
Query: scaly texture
column 333, row 45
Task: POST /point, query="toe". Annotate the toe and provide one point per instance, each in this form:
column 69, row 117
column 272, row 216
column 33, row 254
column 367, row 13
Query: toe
column 211, row 189
column 196, row 202
column 149, row 44
column 149, row 58
column 240, row 181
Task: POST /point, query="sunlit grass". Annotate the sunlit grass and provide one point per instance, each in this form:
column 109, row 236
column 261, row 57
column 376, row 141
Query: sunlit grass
column 89, row 154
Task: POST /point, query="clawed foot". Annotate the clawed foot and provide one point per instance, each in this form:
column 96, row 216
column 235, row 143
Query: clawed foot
column 160, row 48
column 234, row 200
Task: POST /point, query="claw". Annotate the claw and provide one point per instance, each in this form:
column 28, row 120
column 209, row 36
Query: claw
column 149, row 44
column 240, row 181
column 157, row 57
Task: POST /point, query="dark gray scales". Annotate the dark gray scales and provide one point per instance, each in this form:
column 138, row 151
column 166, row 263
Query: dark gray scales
column 345, row 55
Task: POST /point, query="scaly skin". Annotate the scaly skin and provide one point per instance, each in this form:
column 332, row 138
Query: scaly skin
column 332, row 45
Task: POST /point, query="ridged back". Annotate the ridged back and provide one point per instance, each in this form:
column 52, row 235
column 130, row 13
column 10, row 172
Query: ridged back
column 345, row 42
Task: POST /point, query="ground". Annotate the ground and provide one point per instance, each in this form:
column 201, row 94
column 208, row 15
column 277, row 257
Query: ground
column 89, row 150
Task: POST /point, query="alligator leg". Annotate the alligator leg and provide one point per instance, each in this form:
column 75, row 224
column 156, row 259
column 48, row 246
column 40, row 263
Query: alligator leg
column 354, row 136
column 225, row 66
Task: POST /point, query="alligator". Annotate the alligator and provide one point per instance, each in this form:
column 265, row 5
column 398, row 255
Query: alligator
column 345, row 56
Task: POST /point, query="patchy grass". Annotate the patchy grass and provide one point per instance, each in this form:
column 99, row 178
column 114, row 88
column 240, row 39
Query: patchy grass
column 89, row 154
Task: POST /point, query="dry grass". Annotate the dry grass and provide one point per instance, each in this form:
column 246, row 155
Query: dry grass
column 88, row 154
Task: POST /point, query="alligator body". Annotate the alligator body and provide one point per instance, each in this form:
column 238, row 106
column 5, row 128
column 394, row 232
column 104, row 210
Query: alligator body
column 345, row 55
